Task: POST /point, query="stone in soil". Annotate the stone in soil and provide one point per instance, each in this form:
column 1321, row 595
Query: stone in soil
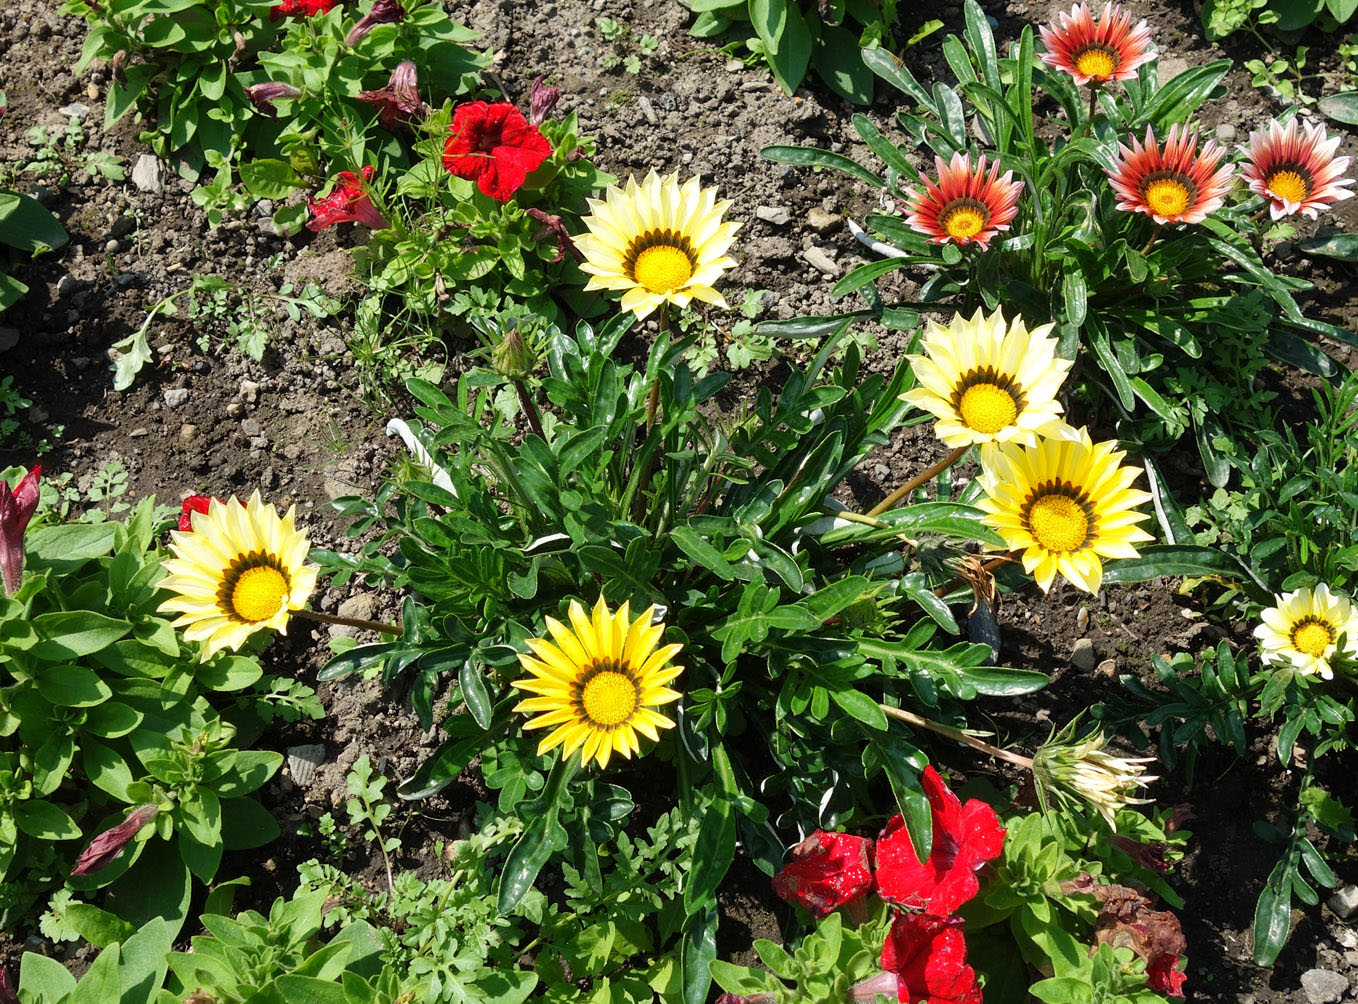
column 303, row 761
column 821, row 261
column 1083, row 657
column 1323, row 986
column 146, row 173
column 1344, row 902
column 175, row 396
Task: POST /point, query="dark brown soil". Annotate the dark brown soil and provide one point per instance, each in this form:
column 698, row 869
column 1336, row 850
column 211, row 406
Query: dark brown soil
column 296, row 425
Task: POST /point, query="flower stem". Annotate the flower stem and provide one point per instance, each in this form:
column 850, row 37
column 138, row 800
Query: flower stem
column 1155, row 235
column 910, row 718
column 354, row 622
column 919, row 479
column 653, row 402
column 530, row 409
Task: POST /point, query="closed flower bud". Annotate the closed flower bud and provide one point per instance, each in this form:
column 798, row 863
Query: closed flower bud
column 16, row 509
column 541, row 100
column 108, row 845
column 512, row 357
column 1065, row 769
column 383, row 12
column 262, row 96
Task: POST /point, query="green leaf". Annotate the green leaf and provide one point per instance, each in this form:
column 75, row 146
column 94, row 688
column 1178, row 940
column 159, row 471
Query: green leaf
column 699, row 949
column 99, row 927
column 471, row 678
column 716, row 842
column 45, row 979
column 1272, row 916
column 72, row 686
column 45, row 821
column 838, row 63
column 787, row 40
column 270, row 179
column 1182, row 559
column 100, row 985
column 894, row 72
column 67, row 545
column 26, row 225
column 70, row 634
column 810, row 156
column 1341, row 246
column 864, row 274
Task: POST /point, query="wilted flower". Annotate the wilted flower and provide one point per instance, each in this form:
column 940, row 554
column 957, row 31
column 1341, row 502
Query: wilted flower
column 109, row 844
column 16, row 509
column 966, row 206
column 303, row 8
column 398, row 104
column 928, row 957
column 1147, row 855
column 552, row 224
column 826, row 871
column 965, row 838
column 348, row 202
column 1296, row 173
column 1086, row 770
column 383, row 12
column 262, row 96
column 541, row 100
column 1128, row 919
column 495, row 146
column 1174, row 185
column 1095, row 51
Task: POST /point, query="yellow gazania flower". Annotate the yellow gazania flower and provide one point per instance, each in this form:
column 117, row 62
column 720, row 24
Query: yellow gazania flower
column 658, row 242
column 1304, row 629
column 599, row 682
column 1065, row 503
column 241, row 569
column 986, row 381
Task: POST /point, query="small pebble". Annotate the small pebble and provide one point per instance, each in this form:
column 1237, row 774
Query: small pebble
column 1082, row 657
column 175, row 396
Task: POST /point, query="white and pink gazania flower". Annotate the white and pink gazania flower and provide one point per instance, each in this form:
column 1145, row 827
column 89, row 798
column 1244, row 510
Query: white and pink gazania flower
column 1178, row 184
column 1295, row 172
column 966, row 206
column 1094, row 52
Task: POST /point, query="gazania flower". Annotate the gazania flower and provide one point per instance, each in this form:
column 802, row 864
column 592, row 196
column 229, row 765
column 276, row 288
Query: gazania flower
column 965, row 838
column 1296, row 173
column 988, row 381
column 17, row 506
column 398, row 104
column 1065, row 503
column 966, row 206
column 1086, row 770
column 1176, row 185
column 301, row 8
column 598, row 681
column 382, row 12
column 1304, row 630
column 826, row 871
column 928, row 956
column 1094, row 52
column 658, row 242
column 495, row 146
column 242, row 569
column 348, row 202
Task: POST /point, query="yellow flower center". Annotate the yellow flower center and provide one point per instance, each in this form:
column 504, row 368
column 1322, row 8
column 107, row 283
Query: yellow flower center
column 259, row 593
column 662, row 268
column 987, row 408
column 1096, row 61
column 1288, row 185
column 1167, row 196
column 609, row 698
column 1058, row 523
column 964, row 222
column 1312, row 637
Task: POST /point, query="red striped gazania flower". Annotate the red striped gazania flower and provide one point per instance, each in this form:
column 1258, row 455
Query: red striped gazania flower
column 1178, row 184
column 1296, row 173
column 966, row 206
column 1094, row 52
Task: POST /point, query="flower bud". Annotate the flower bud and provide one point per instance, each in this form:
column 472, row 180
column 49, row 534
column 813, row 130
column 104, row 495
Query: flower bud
column 262, row 96
column 108, row 845
column 7, row 994
column 383, row 12
column 16, row 509
column 541, row 100
column 512, row 358
column 1085, row 770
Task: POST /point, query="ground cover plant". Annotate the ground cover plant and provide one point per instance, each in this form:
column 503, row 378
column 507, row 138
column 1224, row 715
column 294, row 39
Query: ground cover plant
column 705, row 702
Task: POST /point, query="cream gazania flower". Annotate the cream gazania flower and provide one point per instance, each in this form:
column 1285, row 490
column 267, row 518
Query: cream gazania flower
column 241, row 569
column 1065, row 503
column 658, row 242
column 987, row 381
column 1304, row 630
column 598, row 681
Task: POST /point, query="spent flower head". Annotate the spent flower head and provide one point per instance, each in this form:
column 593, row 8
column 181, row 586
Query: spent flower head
column 1069, row 770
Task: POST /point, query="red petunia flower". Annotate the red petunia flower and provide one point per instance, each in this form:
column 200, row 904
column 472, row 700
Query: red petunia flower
column 966, row 206
column 495, row 146
column 301, row 8
column 928, row 955
column 826, row 871
column 17, row 506
column 1164, row 976
column 965, row 838
column 1095, row 52
column 398, row 104
column 1176, row 185
column 348, row 202
column 1295, row 173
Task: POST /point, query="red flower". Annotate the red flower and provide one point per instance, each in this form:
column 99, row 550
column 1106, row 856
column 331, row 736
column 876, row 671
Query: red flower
column 7, row 994
column 193, row 504
column 1095, row 51
column 109, row 844
column 1164, row 977
column 305, row 8
column 495, row 146
column 398, row 104
column 825, row 871
column 347, row 202
column 929, row 957
column 966, row 206
column 383, row 12
column 16, row 509
column 1174, row 185
column 965, row 838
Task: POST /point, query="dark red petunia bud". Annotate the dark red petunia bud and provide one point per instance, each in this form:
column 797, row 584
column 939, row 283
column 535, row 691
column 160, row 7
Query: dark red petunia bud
column 108, row 845
column 16, row 509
